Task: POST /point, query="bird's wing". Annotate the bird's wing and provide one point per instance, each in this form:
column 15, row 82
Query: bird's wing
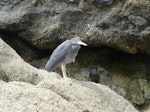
column 58, row 56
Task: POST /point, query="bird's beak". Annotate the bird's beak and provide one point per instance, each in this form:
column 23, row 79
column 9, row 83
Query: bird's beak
column 82, row 43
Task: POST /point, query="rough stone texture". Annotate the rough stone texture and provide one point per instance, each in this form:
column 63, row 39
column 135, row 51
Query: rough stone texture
column 142, row 83
column 139, row 91
column 90, row 93
column 13, row 67
column 51, row 93
column 61, row 96
column 123, row 25
column 135, row 93
column 146, row 110
column 24, row 97
column 147, row 91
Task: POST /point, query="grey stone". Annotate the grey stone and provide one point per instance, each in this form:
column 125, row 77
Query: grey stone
column 104, row 78
column 122, row 91
column 146, row 110
column 13, row 67
column 9, row 2
column 122, row 26
column 24, row 97
column 74, row 1
column 89, row 90
column 137, row 20
column 106, row 2
column 93, row 71
column 142, row 83
column 147, row 91
column 115, row 88
column 95, row 77
column 135, row 93
column 85, row 72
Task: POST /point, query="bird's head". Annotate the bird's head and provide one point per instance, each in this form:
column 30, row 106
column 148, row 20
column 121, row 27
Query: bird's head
column 76, row 40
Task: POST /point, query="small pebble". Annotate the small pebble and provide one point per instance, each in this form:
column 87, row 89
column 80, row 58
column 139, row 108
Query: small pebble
column 106, row 2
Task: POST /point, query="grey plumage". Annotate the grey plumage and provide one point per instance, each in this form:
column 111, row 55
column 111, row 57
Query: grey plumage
column 65, row 53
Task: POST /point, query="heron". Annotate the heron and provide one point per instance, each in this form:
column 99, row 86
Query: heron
column 65, row 53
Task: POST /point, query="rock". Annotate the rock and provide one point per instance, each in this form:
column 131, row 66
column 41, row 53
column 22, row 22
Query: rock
column 74, row 1
column 9, row 2
column 122, row 25
column 137, row 20
column 50, row 92
column 135, row 93
column 59, row 96
column 146, row 110
column 82, row 74
column 104, row 78
column 94, row 76
column 142, row 84
column 119, row 90
column 99, row 75
column 23, row 49
column 107, row 2
column 115, row 88
column 88, row 96
column 86, row 74
column 13, row 67
column 147, row 91
column 123, row 92
column 20, row 97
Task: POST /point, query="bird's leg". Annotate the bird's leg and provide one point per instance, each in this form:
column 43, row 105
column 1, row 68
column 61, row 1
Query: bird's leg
column 63, row 68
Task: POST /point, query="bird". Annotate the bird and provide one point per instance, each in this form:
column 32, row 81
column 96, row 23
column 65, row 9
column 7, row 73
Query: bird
column 63, row 54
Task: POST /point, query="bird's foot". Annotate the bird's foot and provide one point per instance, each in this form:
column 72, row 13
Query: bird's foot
column 67, row 78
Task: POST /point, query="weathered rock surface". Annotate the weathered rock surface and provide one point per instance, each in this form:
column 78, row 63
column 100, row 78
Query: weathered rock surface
column 51, row 93
column 123, row 25
column 60, row 96
column 135, row 93
column 146, row 110
column 24, row 97
column 13, row 67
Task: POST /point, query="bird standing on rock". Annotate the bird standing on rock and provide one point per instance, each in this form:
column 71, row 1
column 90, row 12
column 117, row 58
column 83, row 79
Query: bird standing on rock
column 65, row 53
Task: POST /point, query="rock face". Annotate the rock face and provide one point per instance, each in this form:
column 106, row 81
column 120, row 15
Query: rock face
column 146, row 110
column 51, row 93
column 32, row 27
column 13, row 67
column 123, row 25
column 24, row 97
column 60, row 96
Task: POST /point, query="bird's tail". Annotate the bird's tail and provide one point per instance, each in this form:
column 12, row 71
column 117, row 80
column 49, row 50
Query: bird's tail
column 48, row 66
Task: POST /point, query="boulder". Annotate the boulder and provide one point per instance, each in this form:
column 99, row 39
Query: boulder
column 60, row 95
column 30, row 89
column 146, row 110
column 25, row 97
column 13, row 67
column 123, row 25
column 135, row 93
column 147, row 91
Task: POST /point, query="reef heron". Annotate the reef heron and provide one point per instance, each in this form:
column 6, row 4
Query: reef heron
column 65, row 53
